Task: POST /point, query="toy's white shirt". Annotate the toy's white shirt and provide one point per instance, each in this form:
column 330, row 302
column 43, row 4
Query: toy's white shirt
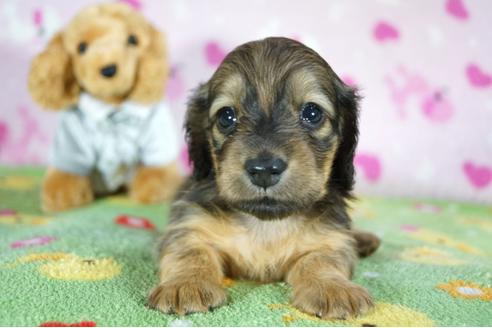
column 108, row 142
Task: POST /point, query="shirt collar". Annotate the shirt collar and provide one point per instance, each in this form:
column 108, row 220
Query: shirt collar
column 98, row 110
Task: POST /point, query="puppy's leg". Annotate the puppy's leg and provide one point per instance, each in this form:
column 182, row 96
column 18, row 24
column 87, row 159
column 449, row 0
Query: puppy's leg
column 62, row 190
column 190, row 274
column 321, row 285
column 155, row 184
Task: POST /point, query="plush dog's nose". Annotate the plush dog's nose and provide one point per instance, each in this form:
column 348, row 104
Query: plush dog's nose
column 265, row 172
column 109, row 71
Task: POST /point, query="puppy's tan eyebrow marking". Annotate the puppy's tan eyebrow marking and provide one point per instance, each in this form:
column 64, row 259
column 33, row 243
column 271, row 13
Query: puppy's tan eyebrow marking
column 320, row 99
column 229, row 93
column 220, row 102
column 306, row 88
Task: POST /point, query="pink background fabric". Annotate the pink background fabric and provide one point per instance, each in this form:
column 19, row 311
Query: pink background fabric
column 423, row 67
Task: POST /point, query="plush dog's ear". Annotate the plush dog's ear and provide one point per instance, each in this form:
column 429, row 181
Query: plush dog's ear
column 153, row 70
column 196, row 123
column 342, row 174
column 51, row 80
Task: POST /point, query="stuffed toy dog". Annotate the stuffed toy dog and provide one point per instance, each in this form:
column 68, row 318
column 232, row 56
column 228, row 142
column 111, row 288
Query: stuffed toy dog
column 107, row 71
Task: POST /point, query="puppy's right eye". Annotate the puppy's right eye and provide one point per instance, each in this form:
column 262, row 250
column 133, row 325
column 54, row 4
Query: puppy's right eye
column 226, row 119
column 82, row 47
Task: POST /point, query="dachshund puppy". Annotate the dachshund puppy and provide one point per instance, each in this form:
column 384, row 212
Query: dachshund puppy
column 272, row 137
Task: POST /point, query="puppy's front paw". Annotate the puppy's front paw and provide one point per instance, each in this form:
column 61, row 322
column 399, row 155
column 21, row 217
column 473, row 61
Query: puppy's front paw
column 62, row 191
column 187, row 296
column 336, row 299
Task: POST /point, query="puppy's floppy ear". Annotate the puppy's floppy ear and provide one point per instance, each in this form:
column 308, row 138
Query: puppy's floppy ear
column 342, row 174
column 51, row 81
column 153, row 70
column 196, row 123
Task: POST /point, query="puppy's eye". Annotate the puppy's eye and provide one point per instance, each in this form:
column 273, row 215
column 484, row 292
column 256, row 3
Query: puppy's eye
column 82, row 47
column 132, row 40
column 311, row 114
column 226, row 119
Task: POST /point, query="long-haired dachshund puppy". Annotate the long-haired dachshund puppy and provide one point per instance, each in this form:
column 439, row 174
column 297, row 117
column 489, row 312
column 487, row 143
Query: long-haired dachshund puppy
column 272, row 137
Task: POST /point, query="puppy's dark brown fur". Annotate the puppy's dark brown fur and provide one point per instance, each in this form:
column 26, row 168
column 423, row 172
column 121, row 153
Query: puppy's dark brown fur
column 297, row 230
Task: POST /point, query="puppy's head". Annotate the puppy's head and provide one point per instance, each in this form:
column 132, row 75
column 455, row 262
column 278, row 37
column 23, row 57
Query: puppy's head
column 109, row 51
column 275, row 128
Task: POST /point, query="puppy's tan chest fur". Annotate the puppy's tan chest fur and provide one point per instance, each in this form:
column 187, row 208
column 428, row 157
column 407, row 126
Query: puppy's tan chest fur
column 258, row 249
column 250, row 248
column 264, row 250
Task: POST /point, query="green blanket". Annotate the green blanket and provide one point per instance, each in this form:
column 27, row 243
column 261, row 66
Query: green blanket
column 95, row 265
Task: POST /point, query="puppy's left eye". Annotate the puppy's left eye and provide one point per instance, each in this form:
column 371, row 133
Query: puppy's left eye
column 226, row 119
column 311, row 114
column 132, row 40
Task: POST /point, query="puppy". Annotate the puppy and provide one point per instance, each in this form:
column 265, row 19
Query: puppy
column 272, row 138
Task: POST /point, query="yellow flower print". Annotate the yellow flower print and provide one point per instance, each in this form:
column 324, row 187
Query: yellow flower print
column 384, row 314
column 429, row 255
column 467, row 290
column 444, row 240
column 76, row 268
column 15, row 182
column 121, row 200
column 66, row 266
column 482, row 223
column 54, row 256
column 24, row 219
column 288, row 318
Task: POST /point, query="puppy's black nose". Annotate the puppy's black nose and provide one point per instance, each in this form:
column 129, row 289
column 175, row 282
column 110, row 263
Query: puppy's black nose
column 109, row 71
column 265, row 172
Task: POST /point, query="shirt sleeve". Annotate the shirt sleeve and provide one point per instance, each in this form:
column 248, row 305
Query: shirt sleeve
column 72, row 151
column 159, row 143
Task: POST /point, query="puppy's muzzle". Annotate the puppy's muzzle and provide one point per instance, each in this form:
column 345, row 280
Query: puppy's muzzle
column 265, row 171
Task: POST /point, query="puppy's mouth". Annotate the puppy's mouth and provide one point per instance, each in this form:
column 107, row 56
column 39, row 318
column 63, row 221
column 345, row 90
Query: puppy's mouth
column 267, row 208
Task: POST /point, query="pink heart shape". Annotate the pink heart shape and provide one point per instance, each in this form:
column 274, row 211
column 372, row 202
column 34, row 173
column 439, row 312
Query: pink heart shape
column 37, row 17
column 427, row 208
column 477, row 77
column 479, row 176
column 4, row 133
column 32, row 242
column 436, row 108
column 214, row 53
column 384, row 31
column 135, row 4
column 349, row 80
column 7, row 212
column 185, row 160
column 175, row 86
column 409, row 228
column 457, row 9
column 370, row 165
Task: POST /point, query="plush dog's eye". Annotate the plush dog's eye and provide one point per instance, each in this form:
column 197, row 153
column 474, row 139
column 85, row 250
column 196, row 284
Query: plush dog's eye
column 82, row 47
column 132, row 40
column 311, row 114
column 226, row 119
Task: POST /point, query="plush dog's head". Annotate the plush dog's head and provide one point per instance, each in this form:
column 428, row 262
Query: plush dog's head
column 109, row 51
column 276, row 129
